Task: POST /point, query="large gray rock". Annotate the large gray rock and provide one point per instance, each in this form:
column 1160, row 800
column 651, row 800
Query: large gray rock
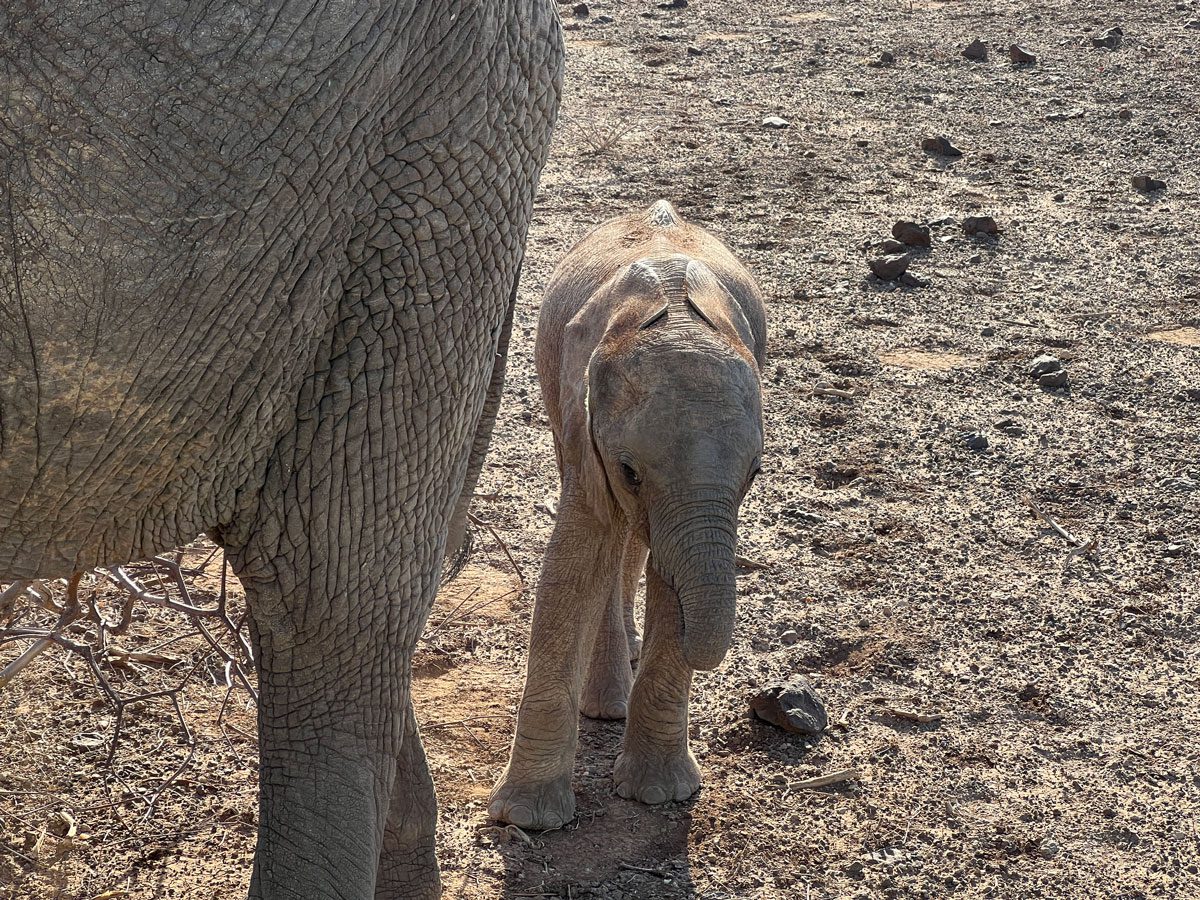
column 793, row 706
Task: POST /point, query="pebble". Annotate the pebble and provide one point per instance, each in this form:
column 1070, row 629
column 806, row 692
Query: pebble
column 775, row 122
column 1109, row 38
column 1049, row 848
column 695, row 51
column 1174, row 550
column 1044, row 365
column 792, row 705
column 973, row 225
column 886, row 58
column 1052, row 381
column 908, row 279
column 941, row 146
column 977, row 50
column 1147, row 183
column 1125, row 114
column 890, row 245
column 911, row 233
column 1021, row 56
column 987, row 331
column 789, row 637
column 581, row 10
column 976, row 441
column 891, row 267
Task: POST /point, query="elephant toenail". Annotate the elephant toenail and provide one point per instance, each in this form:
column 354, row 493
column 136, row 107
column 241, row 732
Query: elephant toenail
column 654, row 795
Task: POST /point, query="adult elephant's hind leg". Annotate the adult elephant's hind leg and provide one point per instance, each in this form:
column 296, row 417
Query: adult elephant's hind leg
column 408, row 861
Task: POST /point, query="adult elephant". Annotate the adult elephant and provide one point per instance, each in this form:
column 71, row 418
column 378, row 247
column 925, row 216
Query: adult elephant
column 257, row 262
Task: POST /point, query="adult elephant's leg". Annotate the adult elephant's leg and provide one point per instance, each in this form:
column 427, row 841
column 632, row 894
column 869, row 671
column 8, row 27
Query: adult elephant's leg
column 655, row 764
column 610, row 674
column 576, row 584
column 408, row 863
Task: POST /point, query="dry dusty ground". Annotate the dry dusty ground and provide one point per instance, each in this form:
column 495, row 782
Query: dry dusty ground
column 1066, row 762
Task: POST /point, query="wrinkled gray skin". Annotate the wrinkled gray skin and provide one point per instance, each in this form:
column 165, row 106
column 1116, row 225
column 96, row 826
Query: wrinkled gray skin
column 256, row 262
column 649, row 348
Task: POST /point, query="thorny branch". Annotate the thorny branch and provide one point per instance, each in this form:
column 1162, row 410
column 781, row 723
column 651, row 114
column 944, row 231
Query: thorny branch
column 32, row 611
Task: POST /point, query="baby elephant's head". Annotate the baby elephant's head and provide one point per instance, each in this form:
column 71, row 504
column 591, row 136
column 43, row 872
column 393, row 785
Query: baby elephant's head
column 676, row 423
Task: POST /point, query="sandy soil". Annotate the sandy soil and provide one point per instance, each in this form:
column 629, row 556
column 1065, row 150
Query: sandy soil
column 907, row 566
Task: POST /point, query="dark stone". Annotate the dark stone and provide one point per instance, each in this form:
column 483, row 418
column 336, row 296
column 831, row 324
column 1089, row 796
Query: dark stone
column 886, row 58
column 1109, row 38
column 695, row 51
column 911, row 233
column 674, row 4
column 1021, row 56
column 792, row 706
column 1053, row 381
column 1147, row 183
column 908, row 279
column 581, row 10
column 973, row 225
column 976, row 441
column 1044, row 365
column 890, row 245
column 977, row 50
column 941, row 146
column 890, row 267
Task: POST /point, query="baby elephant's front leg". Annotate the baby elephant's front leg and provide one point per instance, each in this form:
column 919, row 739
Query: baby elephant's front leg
column 535, row 789
column 655, row 764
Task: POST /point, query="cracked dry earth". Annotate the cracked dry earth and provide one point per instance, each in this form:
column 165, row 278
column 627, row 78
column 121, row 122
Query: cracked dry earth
column 903, row 569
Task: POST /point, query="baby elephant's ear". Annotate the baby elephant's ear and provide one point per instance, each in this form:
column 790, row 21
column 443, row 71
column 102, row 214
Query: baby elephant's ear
column 716, row 305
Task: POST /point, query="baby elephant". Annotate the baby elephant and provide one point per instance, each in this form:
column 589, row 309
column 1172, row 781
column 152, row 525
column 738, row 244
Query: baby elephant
column 648, row 352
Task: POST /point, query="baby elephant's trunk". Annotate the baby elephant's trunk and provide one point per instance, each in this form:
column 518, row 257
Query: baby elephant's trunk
column 693, row 540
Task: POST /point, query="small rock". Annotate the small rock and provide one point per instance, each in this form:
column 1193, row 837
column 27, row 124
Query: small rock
column 1194, row 25
column 941, row 146
column 908, row 279
column 976, row 441
column 977, row 50
column 855, row 869
column 581, row 10
column 1174, row 550
column 1147, row 183
column 973, row 225
column 987, row 331
column 775, row 122
column 1029, row 691
column 886, row 58
column 604, row 20
column 89, row 740
column 789, row 637
column 1052, row 381
column 1065, row 116
column 674, row 4
column 792, row 706
column 1044, row 365
column 887, row 856
column 1059, row 198
column 888, row 268
column 1049, row 848
column 695, row 51
column 1125, row 114
column 1009, row 427
column 911, row 233
column 1021, row 56
column 890, row 245
column 1109, row 38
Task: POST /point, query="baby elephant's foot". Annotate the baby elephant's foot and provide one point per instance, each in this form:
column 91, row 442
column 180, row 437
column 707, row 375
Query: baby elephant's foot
column 607, row 696
column 536, row 805
column 652, row 778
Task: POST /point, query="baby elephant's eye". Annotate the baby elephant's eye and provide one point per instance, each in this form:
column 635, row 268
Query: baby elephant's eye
column 631, row 476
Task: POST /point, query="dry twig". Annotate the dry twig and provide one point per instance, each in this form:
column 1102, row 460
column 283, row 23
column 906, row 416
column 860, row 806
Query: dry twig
column 821, row 781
